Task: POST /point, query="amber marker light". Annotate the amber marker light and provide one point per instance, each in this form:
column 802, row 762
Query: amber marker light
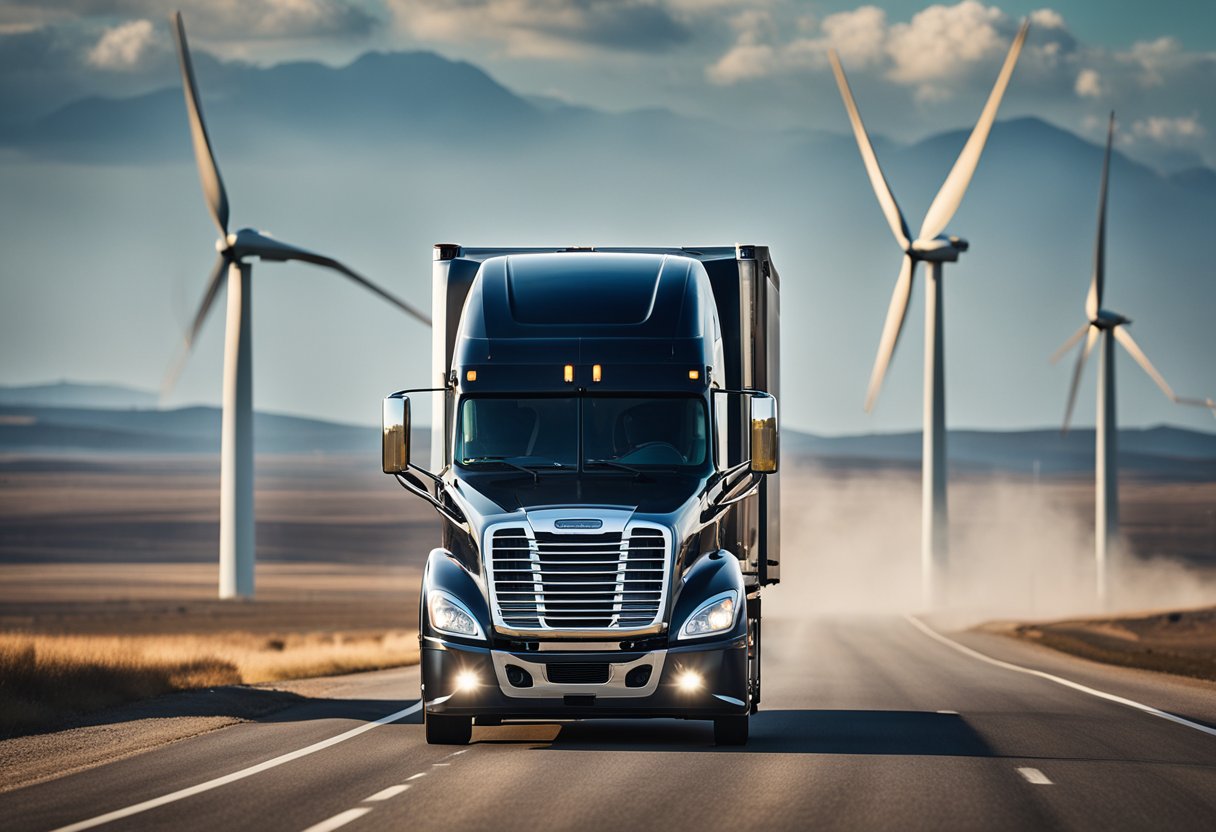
column 597, row 372
column 568, row 373
column 693, row 375
column 471, row 375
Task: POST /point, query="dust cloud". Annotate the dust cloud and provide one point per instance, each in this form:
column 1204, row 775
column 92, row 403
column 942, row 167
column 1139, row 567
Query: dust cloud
column 1019, row 549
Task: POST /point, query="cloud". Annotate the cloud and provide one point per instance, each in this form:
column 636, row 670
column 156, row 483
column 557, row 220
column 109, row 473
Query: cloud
column 1176, row 131
column 545, row 28
column 122, row 47
column 943, row 42
column 1089, row 84
column 237, row 19
column 932, row 53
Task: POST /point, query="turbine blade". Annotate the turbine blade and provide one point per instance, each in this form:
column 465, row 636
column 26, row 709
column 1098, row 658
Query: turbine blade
column 1124, row 337
column 1082, row 357
column 329, row 262
column 208, row 170
column 218, row 271
column 890, row 208
column 1070, row 343
column 896, row 313
column 250, row 243
column 951, row 194
column 1094, row 301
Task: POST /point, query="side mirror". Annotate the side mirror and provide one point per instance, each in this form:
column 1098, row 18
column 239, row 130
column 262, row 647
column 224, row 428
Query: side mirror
column 764, row 437
column 396, row 438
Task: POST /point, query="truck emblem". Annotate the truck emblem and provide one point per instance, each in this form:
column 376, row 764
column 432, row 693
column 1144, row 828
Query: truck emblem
column 579, row 524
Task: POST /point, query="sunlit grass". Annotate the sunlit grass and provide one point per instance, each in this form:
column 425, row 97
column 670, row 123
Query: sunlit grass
column 46, row 677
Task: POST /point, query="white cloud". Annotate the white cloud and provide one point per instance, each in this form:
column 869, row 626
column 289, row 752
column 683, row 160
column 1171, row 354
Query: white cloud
column 943, row 42
column 940, row 47
column 1176, row 131
column 546, row 28
column 122, row 47
column 858, row 36
column 1089, row 84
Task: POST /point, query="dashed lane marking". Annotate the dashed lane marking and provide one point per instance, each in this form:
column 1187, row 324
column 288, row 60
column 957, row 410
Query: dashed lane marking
column 386, row 794
column 416, row 776
column 182, row 794
column 1059, row 680
column 338, row 820
column 1033, row 775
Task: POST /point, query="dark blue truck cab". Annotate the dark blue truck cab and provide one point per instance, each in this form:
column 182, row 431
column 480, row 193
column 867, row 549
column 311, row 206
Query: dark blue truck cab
column 604, row 464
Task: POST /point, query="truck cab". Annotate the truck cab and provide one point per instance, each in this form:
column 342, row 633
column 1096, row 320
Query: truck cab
column 604, row 465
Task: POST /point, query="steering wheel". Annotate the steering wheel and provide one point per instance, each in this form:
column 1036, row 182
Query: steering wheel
column 655, row 452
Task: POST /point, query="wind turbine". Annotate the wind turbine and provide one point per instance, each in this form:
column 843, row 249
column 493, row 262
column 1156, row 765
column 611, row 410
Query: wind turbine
column 934, row 249
column 235, row 252
column 1110, row 327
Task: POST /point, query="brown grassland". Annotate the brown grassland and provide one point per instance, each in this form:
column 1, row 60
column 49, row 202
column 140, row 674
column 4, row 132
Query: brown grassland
column 108, row 580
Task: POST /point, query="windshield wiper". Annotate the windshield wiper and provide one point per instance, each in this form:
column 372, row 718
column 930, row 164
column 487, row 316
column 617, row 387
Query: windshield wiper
column 531, row 470
column 612, row 463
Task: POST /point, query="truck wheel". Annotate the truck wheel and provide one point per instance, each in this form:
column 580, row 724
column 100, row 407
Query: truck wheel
column 448, row 730
column 730, row 730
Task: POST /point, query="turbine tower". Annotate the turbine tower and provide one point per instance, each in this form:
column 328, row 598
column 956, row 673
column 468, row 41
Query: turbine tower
column 934, row 249
column 1110, row 327
column 235, row 253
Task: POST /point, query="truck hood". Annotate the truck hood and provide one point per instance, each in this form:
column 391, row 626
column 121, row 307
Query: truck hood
column 654, row 493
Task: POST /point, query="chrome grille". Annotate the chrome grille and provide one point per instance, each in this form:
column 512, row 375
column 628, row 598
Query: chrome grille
column 555, row 581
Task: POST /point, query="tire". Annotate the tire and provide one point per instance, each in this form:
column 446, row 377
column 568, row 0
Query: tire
column 730, row 730
column 448, row 730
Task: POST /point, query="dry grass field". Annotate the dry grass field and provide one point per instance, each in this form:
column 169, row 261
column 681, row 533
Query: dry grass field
column 108, row 580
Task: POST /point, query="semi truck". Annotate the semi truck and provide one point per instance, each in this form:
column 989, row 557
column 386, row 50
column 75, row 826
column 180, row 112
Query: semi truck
column 604, row 464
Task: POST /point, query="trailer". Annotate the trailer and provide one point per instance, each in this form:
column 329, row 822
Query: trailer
column 604, row 458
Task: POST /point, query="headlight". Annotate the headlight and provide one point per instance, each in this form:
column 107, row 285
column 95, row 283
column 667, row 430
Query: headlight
column 450, row 616
column 714, row 616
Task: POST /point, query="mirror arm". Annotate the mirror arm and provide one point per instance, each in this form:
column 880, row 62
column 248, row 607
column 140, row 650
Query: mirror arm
column 417, row 488
column 434, row 477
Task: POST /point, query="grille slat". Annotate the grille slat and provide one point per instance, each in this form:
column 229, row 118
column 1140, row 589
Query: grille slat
column 556, row 581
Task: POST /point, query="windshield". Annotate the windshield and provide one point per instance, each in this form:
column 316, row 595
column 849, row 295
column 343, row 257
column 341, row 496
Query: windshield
column 547, row 432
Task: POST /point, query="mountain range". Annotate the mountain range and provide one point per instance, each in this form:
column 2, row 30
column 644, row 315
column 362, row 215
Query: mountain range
column 33, row 429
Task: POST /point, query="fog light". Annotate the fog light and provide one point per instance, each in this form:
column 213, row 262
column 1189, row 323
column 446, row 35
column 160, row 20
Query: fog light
column 689, row 681
column 466, row 680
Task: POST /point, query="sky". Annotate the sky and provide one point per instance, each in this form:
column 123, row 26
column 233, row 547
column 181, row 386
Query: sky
column 922, row 64
column 917, row 69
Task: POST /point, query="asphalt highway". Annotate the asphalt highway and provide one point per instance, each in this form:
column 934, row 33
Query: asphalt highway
column 874, row 723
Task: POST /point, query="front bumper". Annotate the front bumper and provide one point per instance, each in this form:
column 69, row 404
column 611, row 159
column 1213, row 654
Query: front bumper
column 721, row 665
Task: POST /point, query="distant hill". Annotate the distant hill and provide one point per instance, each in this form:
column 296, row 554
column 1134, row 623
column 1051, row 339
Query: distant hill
column 28, row 429
column 1161, row 451
column 75, row 394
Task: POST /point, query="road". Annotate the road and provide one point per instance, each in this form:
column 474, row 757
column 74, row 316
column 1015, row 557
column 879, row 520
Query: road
column 869, row 723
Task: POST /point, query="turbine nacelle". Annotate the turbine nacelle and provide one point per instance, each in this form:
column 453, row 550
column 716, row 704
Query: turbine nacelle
column 249, row 242
column 1105, row 319
column 939, row 249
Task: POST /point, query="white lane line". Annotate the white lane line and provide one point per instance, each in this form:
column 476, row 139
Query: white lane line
column 181, row 794
column 457, row 753
column 339, row 820
column 1059, row 680
column 416, row 776
column 948, row 713
column 1033, row 775
column 387, row 794
column 441, row 764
